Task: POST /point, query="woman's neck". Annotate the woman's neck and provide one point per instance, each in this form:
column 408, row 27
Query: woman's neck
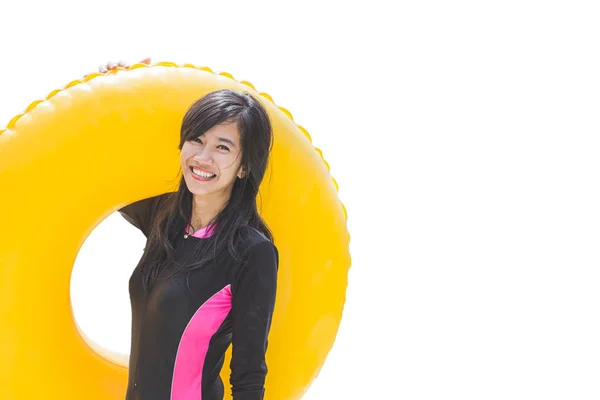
column 205, row 208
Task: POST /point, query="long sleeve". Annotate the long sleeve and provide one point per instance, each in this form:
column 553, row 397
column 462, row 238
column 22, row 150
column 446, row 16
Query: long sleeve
column 141, row 213
column 253, row 301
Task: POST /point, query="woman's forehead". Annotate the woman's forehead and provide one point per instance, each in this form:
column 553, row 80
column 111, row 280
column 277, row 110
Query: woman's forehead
column 226, row 131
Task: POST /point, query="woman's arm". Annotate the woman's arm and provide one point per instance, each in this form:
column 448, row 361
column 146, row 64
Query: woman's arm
column 141, row 213
column 253, row 302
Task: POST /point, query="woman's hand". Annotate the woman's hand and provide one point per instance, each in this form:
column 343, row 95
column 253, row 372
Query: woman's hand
column 123, row 64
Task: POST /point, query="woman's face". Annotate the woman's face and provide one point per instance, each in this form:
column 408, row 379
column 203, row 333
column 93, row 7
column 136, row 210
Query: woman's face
column 212, row 162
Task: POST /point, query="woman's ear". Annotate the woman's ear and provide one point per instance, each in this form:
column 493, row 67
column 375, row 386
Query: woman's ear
column 241, row 174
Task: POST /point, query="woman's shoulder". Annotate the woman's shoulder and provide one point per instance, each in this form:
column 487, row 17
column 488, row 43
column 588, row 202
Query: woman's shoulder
column 250, row 237
column 145, row 204
column 254, row 243
column 142, row 212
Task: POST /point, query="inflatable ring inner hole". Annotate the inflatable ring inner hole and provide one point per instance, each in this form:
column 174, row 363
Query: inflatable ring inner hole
column 99, row 287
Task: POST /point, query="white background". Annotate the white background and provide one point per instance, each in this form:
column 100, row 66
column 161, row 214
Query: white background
column 464, row 137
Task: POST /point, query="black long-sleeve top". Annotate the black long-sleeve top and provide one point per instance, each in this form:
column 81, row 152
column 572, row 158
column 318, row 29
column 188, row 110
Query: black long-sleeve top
column 182, row 327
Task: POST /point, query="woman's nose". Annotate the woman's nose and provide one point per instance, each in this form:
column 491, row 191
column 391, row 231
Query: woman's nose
column 204, row 156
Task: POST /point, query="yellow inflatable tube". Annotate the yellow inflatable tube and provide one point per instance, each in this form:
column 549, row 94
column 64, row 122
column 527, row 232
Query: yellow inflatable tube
column 74, row 158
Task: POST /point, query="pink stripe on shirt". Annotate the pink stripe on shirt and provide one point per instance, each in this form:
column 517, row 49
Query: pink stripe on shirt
column 189, row 362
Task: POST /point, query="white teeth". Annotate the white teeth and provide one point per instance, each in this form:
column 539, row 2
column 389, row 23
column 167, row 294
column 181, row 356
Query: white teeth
column 202, row 173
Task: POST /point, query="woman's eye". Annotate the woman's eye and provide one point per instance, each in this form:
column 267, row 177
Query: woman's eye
column 197, row 140
column 223, row 147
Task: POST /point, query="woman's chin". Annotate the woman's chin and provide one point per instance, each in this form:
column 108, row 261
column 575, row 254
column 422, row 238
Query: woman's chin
column 200, row 191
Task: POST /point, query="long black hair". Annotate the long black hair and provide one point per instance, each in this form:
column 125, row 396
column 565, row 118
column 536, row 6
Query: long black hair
column 240, row 214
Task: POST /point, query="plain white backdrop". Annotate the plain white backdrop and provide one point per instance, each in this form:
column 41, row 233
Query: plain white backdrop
column 464, row 137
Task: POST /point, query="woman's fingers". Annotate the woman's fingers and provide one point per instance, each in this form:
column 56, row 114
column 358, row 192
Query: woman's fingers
column 122, row 64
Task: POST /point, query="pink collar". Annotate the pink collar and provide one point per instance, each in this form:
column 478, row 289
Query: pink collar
column 201, row 233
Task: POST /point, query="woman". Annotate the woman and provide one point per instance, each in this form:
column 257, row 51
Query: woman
column 208, row 275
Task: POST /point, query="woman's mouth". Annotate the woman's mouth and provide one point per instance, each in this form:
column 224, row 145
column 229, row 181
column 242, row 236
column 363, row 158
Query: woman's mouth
column 201, row 175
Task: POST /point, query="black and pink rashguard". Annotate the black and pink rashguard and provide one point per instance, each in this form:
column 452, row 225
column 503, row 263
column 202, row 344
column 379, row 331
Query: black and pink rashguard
column 182, row 327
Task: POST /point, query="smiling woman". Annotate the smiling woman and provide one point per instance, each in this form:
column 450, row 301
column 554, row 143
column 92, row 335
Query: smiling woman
column 225, row 261
column 193, row 296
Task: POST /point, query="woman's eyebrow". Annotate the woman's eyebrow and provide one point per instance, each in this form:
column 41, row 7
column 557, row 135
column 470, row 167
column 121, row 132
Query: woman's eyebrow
column 228, row 141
